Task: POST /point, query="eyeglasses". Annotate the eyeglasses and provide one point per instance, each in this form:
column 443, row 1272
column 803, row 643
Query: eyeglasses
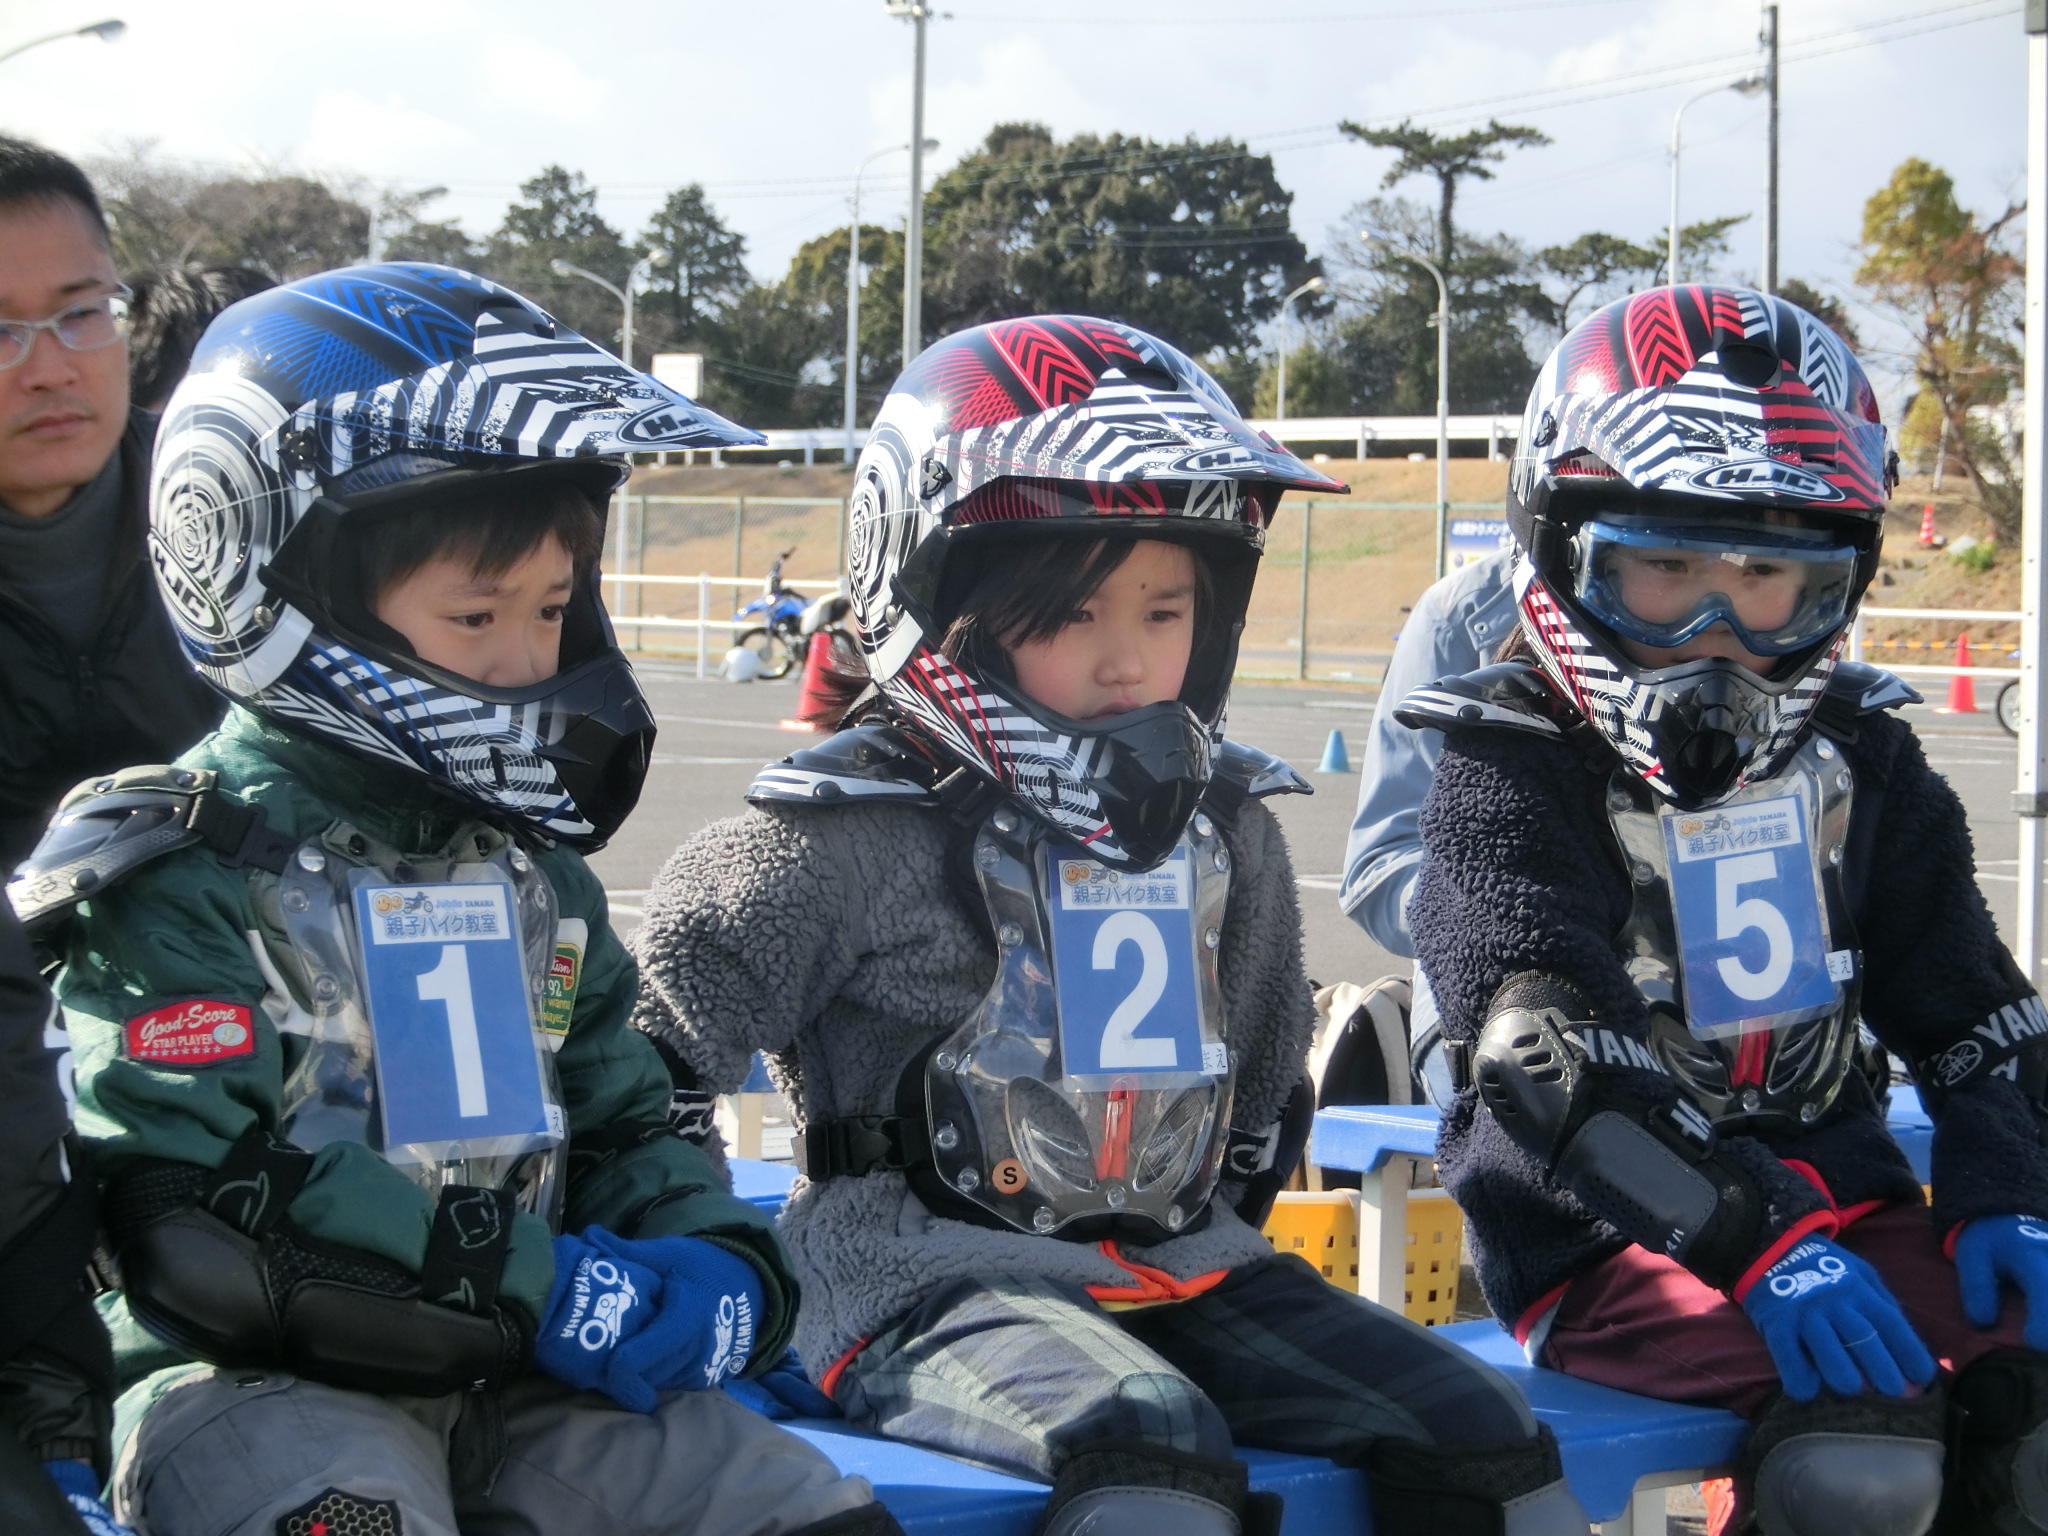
column 85, row 326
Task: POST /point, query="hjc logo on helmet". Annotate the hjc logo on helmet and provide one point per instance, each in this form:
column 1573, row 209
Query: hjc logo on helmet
column 1769, row 475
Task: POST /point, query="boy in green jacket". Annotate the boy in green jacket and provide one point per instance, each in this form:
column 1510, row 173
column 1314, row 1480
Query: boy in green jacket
column 381, row 1153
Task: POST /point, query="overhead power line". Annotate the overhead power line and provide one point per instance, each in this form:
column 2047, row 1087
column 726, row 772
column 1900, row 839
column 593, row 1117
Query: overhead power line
column 1264, row 18
column 1871, row 33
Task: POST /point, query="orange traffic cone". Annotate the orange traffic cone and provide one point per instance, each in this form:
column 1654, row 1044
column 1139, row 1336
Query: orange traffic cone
column 1927, row 526
column 811, row 704
column 1962, row 691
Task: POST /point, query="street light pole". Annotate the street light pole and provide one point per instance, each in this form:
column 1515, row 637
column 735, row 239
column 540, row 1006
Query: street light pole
column 647, row 263
column 105, row 31
column 1749, row 85
column 917, row 13
column 1769, row 38
column 1280, row 383
column 1443, row 390
column 853, row 295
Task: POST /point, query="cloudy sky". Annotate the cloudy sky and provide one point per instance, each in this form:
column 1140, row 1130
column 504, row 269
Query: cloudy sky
column 772, row 104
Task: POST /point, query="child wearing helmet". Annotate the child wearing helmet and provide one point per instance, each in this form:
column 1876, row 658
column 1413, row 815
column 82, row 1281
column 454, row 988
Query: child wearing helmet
column 1023, row 949
column 404, row 1239
column 1676, row 850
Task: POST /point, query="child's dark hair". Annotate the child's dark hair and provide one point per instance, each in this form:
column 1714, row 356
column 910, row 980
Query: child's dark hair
column 1010, row 592
column 492, row 523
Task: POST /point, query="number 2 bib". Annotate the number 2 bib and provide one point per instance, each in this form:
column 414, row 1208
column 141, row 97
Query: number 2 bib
column 1124, row 957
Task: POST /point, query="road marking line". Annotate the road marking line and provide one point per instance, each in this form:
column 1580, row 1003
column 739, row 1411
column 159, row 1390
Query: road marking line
column 754, row 725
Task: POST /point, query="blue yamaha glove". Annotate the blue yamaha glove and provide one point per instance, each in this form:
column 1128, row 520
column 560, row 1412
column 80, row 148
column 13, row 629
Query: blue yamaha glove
column 81, row 1490
column 784, row 1392
column 1992, row 1249
column 1826, row 1317
column 632, row 1319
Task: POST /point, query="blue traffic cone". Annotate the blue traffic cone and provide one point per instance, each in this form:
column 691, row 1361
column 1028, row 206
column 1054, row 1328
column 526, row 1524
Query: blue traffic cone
column 1335, row 759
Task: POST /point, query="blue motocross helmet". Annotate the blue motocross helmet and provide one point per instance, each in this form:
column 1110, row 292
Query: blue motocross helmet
column 386, row 390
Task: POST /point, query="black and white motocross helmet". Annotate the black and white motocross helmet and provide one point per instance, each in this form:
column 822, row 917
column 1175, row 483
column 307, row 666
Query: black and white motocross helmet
column 375, row 390
column 1059, row 426
column 1710, row 437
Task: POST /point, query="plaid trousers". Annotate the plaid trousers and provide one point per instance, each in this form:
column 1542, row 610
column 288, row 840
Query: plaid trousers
column 1015, row 1372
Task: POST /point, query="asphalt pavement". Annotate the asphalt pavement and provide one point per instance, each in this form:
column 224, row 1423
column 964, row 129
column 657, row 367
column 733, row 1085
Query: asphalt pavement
column 715, row 735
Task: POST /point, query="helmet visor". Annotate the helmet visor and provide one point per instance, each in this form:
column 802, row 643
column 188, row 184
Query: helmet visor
column 1659, row 583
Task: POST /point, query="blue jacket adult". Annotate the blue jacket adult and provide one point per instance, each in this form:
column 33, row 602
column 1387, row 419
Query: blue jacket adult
column 1454, row 627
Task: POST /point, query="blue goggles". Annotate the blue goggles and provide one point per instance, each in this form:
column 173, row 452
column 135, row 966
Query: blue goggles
column 1659, row 583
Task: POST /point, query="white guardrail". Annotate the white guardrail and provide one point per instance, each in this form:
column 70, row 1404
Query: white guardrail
column 1360, row 432
column 721, row 618
column 1857, row 641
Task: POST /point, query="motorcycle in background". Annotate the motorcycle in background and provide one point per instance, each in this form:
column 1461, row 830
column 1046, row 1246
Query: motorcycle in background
column 769, row 626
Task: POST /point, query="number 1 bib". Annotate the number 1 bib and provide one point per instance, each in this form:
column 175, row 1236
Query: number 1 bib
column 449, row 1008
column 1746, row 900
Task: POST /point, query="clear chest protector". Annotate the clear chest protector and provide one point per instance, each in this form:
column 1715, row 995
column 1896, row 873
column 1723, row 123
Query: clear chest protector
column 1089, row 1093
column 421, row 986
column 1739, row 940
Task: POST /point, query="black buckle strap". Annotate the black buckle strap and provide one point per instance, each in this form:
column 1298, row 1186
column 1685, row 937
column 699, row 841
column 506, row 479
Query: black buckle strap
column 1458, row 1057
column 238, row 833
column 851, row 1146
column 256, row 1182
column 466, row 1248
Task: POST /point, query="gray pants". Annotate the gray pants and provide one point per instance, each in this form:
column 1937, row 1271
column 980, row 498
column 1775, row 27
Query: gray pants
column 1015, row 1373
column 237, row 1453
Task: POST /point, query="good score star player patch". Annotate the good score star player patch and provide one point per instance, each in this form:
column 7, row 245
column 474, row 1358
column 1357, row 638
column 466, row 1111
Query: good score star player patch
column 194, row 1034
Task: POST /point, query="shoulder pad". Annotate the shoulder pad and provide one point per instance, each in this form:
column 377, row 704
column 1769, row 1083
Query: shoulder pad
column 1253, row 775
column 107, row 828
column 1861, row 689
column 1510, row 694
column 867, row 762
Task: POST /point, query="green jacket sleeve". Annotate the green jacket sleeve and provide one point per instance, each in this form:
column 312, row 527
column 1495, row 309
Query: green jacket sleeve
column 629, row 1173
column 180, row 931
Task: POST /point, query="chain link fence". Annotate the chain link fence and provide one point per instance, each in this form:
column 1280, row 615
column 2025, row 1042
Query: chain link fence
column 1333, row 588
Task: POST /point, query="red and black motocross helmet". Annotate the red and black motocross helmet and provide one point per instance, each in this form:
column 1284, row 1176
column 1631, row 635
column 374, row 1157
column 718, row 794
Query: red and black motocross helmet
column 1706, row 419
column 1059, row 426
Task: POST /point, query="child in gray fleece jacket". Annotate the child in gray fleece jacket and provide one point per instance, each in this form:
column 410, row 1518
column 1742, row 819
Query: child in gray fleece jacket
column 1023, row 950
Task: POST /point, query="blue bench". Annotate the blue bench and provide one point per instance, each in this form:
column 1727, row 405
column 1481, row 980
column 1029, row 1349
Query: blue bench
column 934, row 1495
column 1620, row 1453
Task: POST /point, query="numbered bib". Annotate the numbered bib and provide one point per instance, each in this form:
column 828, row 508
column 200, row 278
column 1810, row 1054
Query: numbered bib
column 1124, row 959
column 1746, row 899
column 447, row 998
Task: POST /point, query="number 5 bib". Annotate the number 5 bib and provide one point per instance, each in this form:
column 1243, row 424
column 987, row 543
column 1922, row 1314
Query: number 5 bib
column 1751, row 930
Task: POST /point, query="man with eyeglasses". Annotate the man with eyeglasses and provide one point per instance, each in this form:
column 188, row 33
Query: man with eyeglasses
column 93, row 678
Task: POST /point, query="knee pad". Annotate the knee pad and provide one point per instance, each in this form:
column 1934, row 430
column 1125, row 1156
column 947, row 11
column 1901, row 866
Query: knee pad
column 1872, row 1465
column 1131, row 1488
column 1516, row 1489
column 337, row 1512
column 2000, row 1405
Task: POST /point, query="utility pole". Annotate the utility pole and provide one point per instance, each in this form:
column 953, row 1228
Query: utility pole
column 2030, row 792
column 917, row 13
column 1769, row 39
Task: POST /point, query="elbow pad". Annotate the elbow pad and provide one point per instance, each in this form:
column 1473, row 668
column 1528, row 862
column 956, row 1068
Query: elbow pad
column 1646, row 1162
column 283, row 1300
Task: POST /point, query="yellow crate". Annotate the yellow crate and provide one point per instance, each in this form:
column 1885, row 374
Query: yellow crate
column 1323, row 1228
